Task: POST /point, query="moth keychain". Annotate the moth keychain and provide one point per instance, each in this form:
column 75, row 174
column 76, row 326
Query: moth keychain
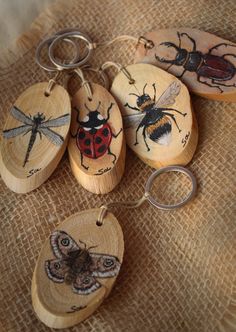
column 79, row 263
column 203, row 61
column 160, row 126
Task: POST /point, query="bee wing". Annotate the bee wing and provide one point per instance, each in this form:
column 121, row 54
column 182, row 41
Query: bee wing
column 104, row 266
column 20, row 116
column 55, row 138
column 133, row 120
column 56, row 269
column 62, row 243
column 85, row 283
column 9, row 133
column 169, row 95
column 58, row 122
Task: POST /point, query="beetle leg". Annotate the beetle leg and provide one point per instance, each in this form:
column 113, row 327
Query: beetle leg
column 155, row 91
column 108, row 111
column 81, row 161
column 208, row 84
column 144, row 138
column 218, row 45
column 191, row 39
column 133, row 108
column 182, row 74
column 229, row 85
column 116, row 135
column 173, row 118
column 112, row 154
column 174, row 110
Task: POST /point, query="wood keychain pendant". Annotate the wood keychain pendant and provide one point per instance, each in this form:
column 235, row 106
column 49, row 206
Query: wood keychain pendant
column 35, row 136
column 79, row 263
column 160, row 126
column 96, row 146
column 77, row 268
column 203, row 61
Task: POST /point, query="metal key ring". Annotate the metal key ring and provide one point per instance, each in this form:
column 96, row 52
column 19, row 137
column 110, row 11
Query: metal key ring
column 46, row 42
column 179, row 169
column 73, row 34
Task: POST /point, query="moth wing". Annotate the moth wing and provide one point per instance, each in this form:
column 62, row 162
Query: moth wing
column 56, row 269
column 60, row 121
column 55, row 138
column 85, row 284
column 62, row 243
column 20, row 116
column 132, row 120
column 104, row 266
column 168, row 96
column 9, row 133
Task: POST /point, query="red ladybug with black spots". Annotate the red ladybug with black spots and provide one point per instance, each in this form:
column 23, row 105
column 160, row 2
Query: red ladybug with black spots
column 94, row 134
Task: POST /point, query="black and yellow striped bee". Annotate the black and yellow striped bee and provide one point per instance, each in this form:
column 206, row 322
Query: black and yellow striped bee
column 154, row 116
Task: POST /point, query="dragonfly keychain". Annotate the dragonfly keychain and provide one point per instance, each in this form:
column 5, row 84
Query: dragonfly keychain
column 79, row 263
column 36, row 131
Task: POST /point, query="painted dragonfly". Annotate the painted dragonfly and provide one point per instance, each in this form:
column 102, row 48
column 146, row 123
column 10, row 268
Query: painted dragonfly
column 36, row 125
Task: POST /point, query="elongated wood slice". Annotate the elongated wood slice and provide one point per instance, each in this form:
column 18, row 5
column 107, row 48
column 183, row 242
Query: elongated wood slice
column 159, row 124
column 96, row 146
column 34, row 137
column 76, row 268
column 204, row 62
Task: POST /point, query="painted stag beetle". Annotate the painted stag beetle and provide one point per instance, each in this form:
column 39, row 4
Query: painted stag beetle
column 214, row 67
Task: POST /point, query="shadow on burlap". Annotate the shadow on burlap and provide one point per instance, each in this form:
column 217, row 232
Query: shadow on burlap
column 178, row 272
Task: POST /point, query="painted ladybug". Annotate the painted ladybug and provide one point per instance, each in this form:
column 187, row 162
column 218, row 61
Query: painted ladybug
column 94, row 134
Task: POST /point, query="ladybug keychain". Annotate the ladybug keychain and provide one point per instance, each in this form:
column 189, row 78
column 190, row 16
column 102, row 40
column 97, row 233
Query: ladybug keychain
column 96, row 146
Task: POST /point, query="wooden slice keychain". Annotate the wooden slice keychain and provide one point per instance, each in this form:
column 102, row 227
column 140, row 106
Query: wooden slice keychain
column 79, row 263
column 203, row 61
column 160, row 126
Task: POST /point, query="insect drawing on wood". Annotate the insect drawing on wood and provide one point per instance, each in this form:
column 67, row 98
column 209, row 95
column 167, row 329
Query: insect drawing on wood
column 154, row 116
column 218, row 69
column 94, row 134
column 36, row 124
column 77, row 266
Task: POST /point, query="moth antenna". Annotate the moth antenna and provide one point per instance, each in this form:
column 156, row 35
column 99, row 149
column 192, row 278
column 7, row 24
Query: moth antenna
column 144, row 88
column 133, row 94
column 83, row 244
column 92, row 247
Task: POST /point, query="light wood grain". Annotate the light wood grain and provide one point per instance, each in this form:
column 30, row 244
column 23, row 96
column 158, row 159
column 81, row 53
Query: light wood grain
column 204, row 41
column 44, row 156
column 177, row 151
column 101, row 174
column 52, row 301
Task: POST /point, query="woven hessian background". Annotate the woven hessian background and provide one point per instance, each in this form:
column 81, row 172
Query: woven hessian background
column 179, row 267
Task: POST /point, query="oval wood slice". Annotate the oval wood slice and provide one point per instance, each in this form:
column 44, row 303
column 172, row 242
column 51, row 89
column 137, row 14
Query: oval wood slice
column 96, row 146
column 203, row 61
column 76, row 268
column 165, row 125
column 34, row 137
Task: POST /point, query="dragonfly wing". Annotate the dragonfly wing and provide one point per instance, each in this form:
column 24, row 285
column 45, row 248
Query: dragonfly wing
column 133, row 120
column 55, row 138
column 58, row 122
column 169, row 95
column 20, row 116
column 9, row 133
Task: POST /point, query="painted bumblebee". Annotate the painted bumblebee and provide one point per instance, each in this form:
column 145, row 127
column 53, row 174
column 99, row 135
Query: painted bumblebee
column 154, row 116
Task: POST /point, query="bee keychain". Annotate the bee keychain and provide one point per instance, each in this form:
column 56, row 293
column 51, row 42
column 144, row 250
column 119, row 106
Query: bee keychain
column 79, row 263
column 160, row 126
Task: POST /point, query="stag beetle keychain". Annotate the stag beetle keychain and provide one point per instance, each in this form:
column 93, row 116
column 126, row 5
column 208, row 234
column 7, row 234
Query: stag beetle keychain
column 160, row 126
column 79, row 263
column 204, row 62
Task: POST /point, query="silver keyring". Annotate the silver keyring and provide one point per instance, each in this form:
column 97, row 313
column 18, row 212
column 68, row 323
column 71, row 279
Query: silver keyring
column 73, row 34
column 46, row 42
column 166, row 170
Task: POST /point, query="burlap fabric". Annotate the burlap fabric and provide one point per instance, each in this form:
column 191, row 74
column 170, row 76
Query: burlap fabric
column 179, row 269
